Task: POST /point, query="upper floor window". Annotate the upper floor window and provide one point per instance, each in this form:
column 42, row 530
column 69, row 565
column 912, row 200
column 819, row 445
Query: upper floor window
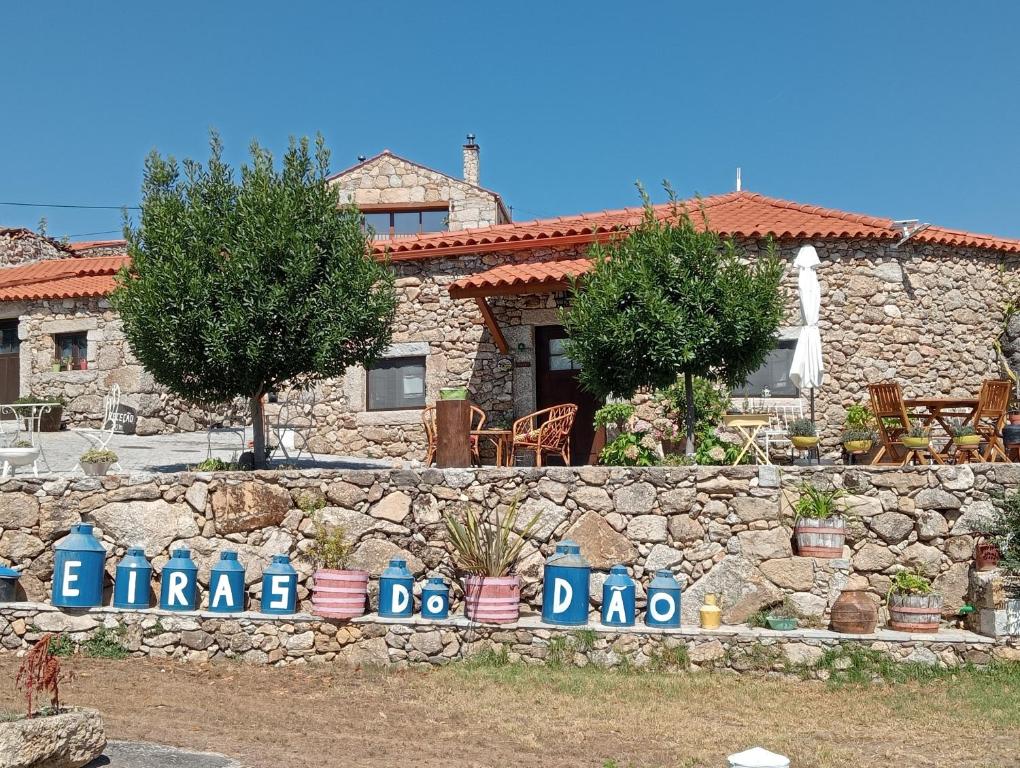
column 774, row 375
column 398, row 222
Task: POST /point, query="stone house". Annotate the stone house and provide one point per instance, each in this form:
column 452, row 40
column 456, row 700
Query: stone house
column 480, row 299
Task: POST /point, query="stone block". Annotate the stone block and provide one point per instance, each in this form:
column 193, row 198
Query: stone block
column 248, row 506
column 600, row 544
column 152, row 525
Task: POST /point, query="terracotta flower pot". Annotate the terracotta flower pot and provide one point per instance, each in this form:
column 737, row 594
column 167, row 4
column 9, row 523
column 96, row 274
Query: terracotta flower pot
column 854, row 613
column 986, row 556
column 915, row 613
column 820, row 537
column 339, row 594
column 492, row 599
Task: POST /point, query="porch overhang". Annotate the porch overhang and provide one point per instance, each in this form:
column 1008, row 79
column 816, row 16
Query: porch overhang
column 516, row 280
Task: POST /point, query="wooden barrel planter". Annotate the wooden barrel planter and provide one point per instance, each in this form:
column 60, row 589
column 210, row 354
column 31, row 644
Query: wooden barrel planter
column 492, row 599
column 339, row 594
column 854, row 613
column 820, row 538
column 915, row 613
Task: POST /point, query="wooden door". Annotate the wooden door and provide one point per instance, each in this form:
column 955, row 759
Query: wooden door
column 556, row 383
column 10, row 361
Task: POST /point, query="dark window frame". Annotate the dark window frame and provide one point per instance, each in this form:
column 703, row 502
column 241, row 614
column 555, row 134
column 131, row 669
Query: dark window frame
column 786, row 345
column 396, row 362
column 393, row 211
column 81, row 348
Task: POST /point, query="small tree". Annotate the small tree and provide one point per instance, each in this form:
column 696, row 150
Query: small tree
column 669, row 299
column 236, row 288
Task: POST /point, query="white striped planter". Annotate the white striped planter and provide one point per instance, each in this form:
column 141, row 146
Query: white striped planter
column 339, row 594
column 915, row 613
column 492, row 599
column 820, row 538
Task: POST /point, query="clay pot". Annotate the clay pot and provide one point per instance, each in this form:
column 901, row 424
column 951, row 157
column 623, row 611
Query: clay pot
column 492, row 599
column 339, row 594
column 986, row 556
column 820, row 538
column 915, row 613
column 854, row 613
column 857, row 446
column 1014, row 418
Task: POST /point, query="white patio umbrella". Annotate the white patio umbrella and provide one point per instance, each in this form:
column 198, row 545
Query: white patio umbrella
column 807, row 369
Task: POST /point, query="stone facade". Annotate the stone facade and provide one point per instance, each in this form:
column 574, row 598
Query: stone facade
column 23, row 246
column 726, row 531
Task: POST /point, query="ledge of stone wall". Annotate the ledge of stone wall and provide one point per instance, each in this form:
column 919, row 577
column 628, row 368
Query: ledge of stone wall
column 371, row 641
column 720, row 529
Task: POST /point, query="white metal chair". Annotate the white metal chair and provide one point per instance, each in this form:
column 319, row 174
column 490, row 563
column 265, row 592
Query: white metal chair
column 292, row 423
column 777, row 433
column 111, row 418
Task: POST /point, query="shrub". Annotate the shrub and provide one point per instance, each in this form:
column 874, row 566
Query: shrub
column 630, row 449
column 908, row 582
column 855, row 434
column 98, row 456
column 616, row 414
column 40, row 673
column 818, row 503
column 802, row 428
column 859, row 417
column 1004, row 531
column 330, row 547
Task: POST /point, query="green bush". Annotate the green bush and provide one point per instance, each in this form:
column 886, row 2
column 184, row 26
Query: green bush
column 631, row 449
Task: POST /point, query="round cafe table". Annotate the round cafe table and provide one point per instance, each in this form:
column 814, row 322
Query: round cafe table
column 500, row 439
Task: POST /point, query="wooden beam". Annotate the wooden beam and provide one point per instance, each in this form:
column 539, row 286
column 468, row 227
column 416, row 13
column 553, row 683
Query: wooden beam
column 490, row 323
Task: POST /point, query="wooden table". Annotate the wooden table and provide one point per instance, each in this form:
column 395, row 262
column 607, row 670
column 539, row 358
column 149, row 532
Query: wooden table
column 939, row 410
column 742, row 422
column 500, row 439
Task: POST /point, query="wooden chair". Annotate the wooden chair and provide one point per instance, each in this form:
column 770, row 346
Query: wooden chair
column 546, row 432
column 428, row 420
column 990, row 417
column 887, row 404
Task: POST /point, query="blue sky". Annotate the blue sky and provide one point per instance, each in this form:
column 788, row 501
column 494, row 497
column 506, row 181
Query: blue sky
column 906, row 109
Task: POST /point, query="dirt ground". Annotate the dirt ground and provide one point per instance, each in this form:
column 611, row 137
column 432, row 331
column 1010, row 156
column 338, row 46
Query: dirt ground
column 471, row 717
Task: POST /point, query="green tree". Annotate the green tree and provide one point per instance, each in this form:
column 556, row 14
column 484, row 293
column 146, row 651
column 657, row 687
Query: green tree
column 669, row 299
column 238, row 287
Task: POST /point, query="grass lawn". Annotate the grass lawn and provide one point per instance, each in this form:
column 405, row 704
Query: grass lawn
column 487, row 713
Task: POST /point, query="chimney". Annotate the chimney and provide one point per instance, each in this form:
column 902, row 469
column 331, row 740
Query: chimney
column 471, row 160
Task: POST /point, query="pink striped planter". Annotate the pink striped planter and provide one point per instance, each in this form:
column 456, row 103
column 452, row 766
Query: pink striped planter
column 339, row 594
column 492, row 599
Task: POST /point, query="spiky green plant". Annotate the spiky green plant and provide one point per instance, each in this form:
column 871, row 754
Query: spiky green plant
column 482, row 548
column 819, row 503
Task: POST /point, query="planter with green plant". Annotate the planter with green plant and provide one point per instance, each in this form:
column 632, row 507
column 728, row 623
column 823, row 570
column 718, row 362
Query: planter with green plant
column 819, row 527
column 965, row 436
column 453, row 393
column 913, row 604
column 782, row 617
column 338, row 592
column 486, row 553
column 858, row 432
column 97, row 461
column 803, row 434
column 917, row 436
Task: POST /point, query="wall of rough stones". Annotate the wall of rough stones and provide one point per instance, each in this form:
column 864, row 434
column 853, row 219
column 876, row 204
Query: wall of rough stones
column 23, row 246
column 726, row 531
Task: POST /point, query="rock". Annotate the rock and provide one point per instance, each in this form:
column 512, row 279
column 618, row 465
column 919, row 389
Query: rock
column 393, row 507
column 593, row 498
column 768, row 476
column 936, row 498
column 555, row 492
column 355, row 524
column 863, row 506
column 647, row 528
column 892, row 526
column 685, row 529
column 549, row 517
column 346, row 495
column 56, row 519
column 55, row 621
column 742, row 590
column 370, row 652
column 751, row 508
column 808, row 605
column 197, row 495
column 959, row 548
column 430, row 643
column 68, row 740
column 18, row 510
column 766, row 545
column 976, row 517
column 248, row 506
column 373, row 555
column 956, row 478
column 922, row 655
column 600, row 544
column 17, row 547
column 873, row 557
column 802, row 654
column 952, row 585
column 705, row 652
column 152, row 525
column 677, row 500
column 662, row 557
column 927, row 560
column 796, row 573
column 931, row 525
column 635, row 499
column 196, row 639
column 303, row 641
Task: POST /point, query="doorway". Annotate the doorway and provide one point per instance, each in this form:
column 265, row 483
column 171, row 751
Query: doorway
column 10, row 361
column 556, row 383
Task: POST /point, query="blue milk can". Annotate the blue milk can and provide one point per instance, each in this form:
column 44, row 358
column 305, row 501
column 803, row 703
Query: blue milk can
column 565, row 586
column 226, row 584
column 78, row 569
column 279, row 587
column 8, row 584
column 178, row 588
column 134, row 576
column 396, row 587
column 435, row 598
column 618, row 598
column 663, row 601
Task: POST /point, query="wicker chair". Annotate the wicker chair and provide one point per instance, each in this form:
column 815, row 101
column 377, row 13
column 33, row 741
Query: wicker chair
column 545, row 432
column 887, row 404
column 428, row 420
column 990, row 417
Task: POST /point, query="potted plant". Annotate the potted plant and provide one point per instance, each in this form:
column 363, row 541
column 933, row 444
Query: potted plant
column 453, row 393
column 56, row 366
column 965, row 436
column 81, row 364
column 65, row 363
column 917, row 436
column 803, row 434
column 338, row 592
column 913, row 604
column 858, row 435
column 819, row 527
column 97, row 462
column 487, row 553
column 782, row 617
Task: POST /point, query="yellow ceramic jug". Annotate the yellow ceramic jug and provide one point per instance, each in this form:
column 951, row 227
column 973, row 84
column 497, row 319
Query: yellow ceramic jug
column 710, row 613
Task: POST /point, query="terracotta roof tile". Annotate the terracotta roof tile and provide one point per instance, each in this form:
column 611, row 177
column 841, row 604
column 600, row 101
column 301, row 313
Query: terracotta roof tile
column 511, row 278
column 739, row 214
column 61, row 278
column 86, row 245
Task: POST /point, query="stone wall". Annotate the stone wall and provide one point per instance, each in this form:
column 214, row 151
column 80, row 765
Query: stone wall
column 726, row 531
column 23, row 246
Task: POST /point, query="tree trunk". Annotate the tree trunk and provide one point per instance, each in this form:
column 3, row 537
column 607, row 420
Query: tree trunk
column 689, row 395
column 258, row 430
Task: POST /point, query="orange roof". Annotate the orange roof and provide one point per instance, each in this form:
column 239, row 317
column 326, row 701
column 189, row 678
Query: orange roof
column 85, row 245
column 507, row 279
column 61, row 278
column 738, row 214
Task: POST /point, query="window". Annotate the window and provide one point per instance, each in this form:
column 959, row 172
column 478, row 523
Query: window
column 774, row 375
column 396, row 383
column 9, row 342
column 558, row 359
column 71, row 350
column 407, row 222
